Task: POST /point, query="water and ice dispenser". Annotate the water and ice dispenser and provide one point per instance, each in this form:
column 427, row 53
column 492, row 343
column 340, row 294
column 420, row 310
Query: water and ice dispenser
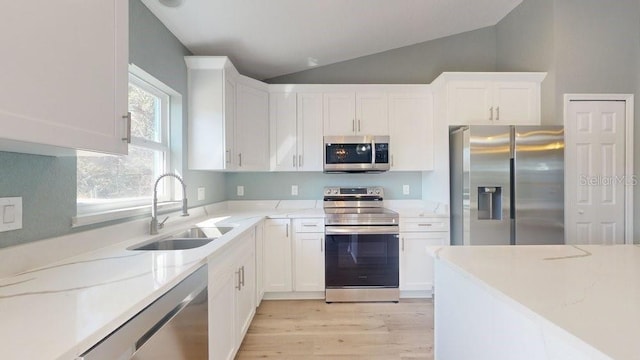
column 489, row 202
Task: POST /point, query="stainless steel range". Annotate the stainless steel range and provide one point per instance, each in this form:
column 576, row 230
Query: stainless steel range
column 361, row 242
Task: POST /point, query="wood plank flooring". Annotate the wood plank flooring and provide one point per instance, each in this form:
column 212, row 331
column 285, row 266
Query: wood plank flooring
column 315, row 330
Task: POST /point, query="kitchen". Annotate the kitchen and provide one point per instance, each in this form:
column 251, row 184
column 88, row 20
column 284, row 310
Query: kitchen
column 550, row 36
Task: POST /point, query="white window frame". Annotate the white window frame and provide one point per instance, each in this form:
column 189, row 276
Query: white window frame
column 171, row 101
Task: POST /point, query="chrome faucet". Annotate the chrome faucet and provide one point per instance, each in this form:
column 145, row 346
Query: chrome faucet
column 155, row 226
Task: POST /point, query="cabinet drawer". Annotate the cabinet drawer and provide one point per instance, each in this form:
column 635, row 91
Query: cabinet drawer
column 424, row 224
column 308, row 225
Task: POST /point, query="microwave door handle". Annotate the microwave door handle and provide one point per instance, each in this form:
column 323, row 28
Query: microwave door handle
column 373, row 152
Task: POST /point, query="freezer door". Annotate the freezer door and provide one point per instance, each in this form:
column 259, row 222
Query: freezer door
column 459, row 184
column 539, row 185
column 489, row 185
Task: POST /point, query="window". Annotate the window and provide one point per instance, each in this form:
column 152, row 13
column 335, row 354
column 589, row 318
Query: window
column 115, row 182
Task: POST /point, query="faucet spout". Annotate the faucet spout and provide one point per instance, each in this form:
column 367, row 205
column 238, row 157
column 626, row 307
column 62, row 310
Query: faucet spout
column 154, row 226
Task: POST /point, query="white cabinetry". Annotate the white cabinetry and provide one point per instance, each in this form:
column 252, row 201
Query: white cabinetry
column 411, row 131
column 228, row 117
column 232, row 297
column 416, row 265
column 259, row 263
column 360, row 113
column 296, row 131
column 309, row 255
column 277, row 256
column 64, row 76
column 252, row 127
column 493, row 98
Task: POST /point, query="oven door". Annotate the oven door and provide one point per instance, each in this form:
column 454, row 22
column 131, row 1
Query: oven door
column 361, row 256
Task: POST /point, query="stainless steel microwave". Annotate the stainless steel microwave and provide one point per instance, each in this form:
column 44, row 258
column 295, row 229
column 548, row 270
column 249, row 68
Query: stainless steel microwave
column 356, row 153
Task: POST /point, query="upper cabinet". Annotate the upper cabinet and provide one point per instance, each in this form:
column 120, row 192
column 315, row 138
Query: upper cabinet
column 492, row 98
column 296, row 131
column 228, row 117
column 411, row 130
column 64, row 76
column 360, row 113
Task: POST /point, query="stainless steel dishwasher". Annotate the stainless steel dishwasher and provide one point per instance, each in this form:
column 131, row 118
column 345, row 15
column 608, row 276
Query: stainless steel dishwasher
column 174, row 327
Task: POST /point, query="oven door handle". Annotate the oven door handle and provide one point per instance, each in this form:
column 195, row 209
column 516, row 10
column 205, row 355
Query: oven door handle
column 361, row 229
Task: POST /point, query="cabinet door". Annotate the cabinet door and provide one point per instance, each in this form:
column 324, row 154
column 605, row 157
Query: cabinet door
column 259, row 263
column 246, row 296
column 252, row 127
column 339, row 114
column 517, row 103
column 223, row 284
column 469, row 103
column 411, row 131
column 284, row 142
column 229, row 123
column 372, row 114
column 309, row 262
column 416, row 265
column 64, row 74
column 310, row 132
column 277, row 256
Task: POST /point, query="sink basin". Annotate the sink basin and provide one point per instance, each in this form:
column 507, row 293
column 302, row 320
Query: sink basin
column 187, row 239
column 174, row 244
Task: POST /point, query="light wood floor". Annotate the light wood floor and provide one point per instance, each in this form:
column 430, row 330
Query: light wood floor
column 316, row 330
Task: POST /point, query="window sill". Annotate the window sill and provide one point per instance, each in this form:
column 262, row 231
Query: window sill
column 119, row 214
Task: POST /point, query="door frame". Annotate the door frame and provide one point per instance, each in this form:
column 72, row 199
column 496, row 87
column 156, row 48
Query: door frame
column 628, row 153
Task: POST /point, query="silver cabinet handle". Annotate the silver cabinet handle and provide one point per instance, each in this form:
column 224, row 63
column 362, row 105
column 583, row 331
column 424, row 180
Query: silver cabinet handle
column 491, row 112
column 227, row 156
column 425, row 224
column 498, row 113
column 287, row 230
column 358, row 125
column 240, row 159
column 309, row 225
column 402, row 244
column 294, row 161
column 239, row 286
column 353, row 125
column 242, row 276
column 299, row 160
column 321, row 245
column 127, row 119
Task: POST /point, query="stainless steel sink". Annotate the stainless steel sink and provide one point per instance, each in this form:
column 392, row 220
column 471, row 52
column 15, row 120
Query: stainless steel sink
column 187, row 239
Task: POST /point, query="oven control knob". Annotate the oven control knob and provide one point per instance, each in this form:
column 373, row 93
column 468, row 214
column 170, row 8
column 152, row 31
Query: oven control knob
column 377, row 191
column 335, row 191
column 328, row 191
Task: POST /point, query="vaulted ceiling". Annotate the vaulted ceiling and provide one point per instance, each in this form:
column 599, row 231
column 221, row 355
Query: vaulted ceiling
column 268, row 38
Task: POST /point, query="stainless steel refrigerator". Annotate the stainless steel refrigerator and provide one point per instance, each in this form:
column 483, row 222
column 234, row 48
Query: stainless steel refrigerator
column 507, row 185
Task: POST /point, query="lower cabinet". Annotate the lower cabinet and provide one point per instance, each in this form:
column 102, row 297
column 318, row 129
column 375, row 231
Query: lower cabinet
column 259, row 262
column 416, row 264
column 232, row 296
column 294, row 258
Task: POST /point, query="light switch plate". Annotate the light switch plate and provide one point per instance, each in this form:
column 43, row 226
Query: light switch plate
column 201, row 193
column 405, row 190
column 294, row 190
column 10, row 213
column 240, row 190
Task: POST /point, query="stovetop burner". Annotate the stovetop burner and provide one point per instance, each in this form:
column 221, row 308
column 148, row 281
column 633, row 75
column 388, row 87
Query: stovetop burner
column 357, row 206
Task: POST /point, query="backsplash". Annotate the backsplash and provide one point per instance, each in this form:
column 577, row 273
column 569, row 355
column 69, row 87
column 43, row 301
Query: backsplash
column 47, row 186
column 277, row 185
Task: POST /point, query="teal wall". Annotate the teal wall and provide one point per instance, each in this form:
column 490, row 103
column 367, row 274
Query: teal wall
column 277, row 185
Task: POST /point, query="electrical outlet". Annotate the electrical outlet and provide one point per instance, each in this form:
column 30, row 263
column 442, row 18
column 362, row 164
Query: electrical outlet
column 240, row 190
column 200, row 193
column 10, row 213
column 406, row 190
column 294, row 190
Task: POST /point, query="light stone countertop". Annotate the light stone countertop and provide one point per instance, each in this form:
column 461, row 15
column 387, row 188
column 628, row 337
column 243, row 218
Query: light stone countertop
column 61, row 309
column 590, row 292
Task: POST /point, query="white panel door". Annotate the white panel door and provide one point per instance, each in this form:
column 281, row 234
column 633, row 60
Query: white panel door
column 282, row 109
column 223, row 283
column 594, row 179
column 516, row 103
column 310, row 132
column 411, row 131
column 309, row 260
column 339, row 114
column 416, row 265
column 277, row 256
column 63, row 72
column 246, row 296
column 372, row 114
column 252, row 127
column 469, row 103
